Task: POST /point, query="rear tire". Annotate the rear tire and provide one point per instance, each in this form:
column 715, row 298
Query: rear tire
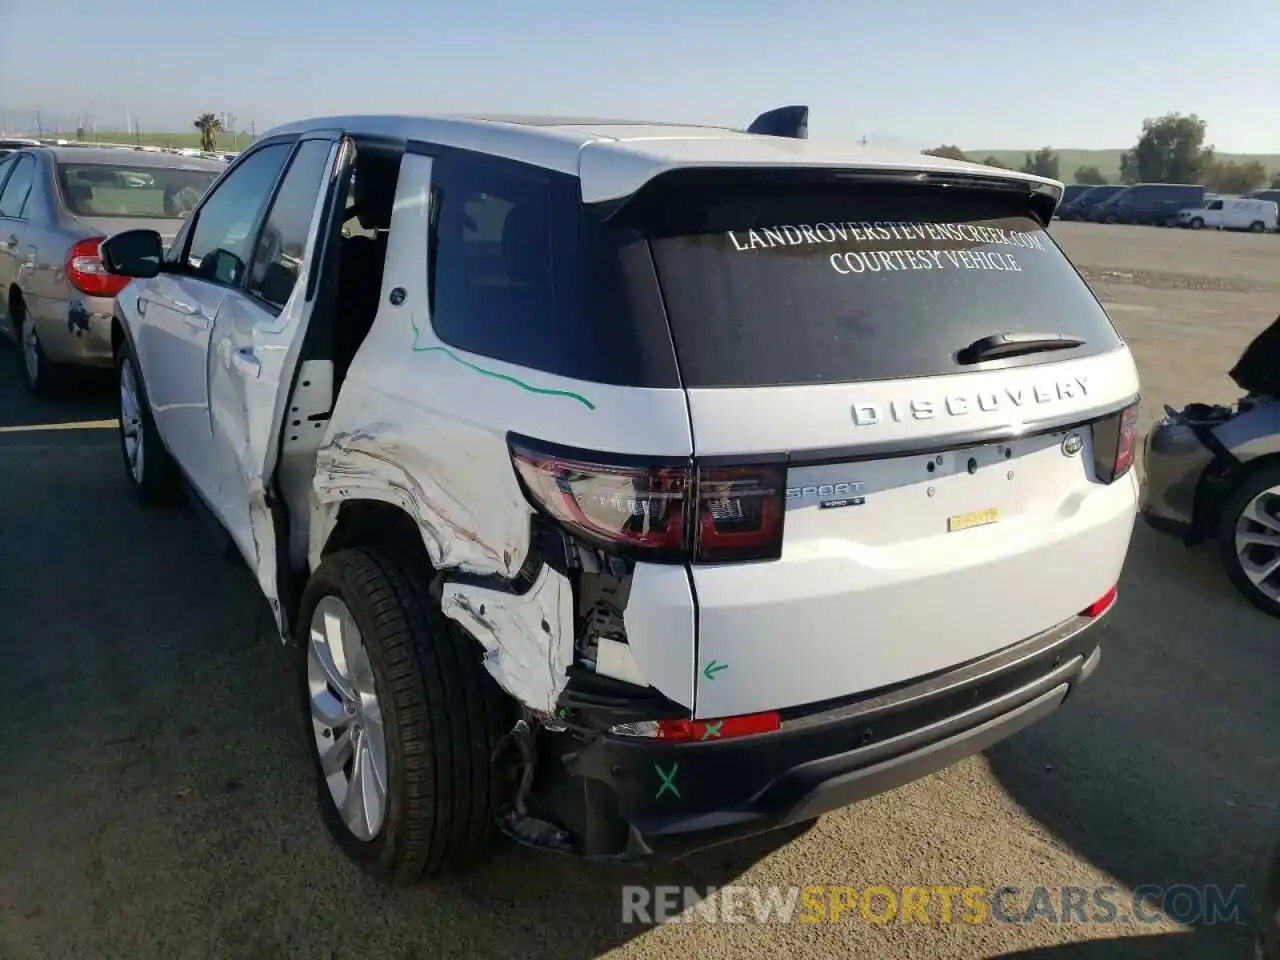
column 150, row 471
column 1250, row 547
column 439, row 713
column 40, row 376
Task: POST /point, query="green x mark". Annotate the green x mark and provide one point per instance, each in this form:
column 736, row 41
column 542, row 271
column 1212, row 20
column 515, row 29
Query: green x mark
column 668, row 780
column 713, row 730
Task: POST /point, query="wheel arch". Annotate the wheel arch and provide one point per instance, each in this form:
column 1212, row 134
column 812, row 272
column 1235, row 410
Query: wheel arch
column 367, row 522
column 1217, row 484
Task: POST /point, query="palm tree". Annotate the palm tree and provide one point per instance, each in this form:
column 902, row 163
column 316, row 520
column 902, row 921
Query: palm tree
column 209, row 126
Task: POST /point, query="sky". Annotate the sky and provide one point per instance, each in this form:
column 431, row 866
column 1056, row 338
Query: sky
column 977, row 73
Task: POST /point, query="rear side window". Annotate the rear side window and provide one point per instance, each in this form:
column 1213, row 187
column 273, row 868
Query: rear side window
column 770, row 281
column 18, row 186
column 518, row 271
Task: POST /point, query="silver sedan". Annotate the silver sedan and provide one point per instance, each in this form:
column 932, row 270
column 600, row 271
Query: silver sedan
column 57, row 204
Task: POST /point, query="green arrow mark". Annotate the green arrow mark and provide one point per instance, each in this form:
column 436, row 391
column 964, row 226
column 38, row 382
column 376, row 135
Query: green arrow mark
column 712, row 668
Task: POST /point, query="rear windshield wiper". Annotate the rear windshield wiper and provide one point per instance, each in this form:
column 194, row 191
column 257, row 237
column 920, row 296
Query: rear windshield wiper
column 997, row 346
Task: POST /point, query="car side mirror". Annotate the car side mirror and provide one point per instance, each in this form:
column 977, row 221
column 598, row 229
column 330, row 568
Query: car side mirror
column 133, row 253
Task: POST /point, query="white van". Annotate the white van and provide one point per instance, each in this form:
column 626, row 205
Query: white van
column 1233, row 213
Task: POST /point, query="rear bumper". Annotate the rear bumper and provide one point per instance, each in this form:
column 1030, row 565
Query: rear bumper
column 678, row 797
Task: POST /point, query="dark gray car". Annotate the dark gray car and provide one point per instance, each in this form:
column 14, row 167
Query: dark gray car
column 1212, row 473
column 56, row 206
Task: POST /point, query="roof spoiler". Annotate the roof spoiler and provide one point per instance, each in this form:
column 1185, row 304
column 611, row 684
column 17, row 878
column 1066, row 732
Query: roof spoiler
column 792, row 122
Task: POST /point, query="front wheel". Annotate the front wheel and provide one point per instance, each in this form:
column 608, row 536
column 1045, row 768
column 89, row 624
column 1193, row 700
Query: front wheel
column 401, row 717
column 1249, row 538
column 1196, row 223
column 148, row 468
column 1257, row 226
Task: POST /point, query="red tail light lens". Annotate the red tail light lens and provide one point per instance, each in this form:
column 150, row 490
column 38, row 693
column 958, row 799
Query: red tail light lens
column 87, row 273
column 1128, row 441
column 665, row 513
column 1101, row 605
column 1115, row 441
column 739, row 513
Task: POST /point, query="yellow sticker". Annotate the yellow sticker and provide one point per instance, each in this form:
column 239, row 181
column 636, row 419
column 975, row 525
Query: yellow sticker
column 979, row 518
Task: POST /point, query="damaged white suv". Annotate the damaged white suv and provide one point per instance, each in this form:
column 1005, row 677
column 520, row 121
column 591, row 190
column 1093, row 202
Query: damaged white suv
column 634, row 487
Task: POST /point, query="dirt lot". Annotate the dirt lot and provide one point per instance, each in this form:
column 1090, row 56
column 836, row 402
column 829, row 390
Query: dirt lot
column 156, row 800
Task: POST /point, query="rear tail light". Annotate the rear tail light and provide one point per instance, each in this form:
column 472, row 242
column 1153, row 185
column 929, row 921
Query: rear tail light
column 88, row 274
column 663, row 513
column 1101, row 605
column 686, row 731
column 1115, row 440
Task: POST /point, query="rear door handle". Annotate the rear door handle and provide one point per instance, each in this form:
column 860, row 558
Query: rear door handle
column 246, row 361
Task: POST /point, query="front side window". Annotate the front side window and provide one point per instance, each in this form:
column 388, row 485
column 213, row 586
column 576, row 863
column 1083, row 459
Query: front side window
column 283, row 241
column 222, row 238
column 14, row 198
column 121, row 190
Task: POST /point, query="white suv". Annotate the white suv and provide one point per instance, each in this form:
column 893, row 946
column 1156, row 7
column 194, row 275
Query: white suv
column 635, row 487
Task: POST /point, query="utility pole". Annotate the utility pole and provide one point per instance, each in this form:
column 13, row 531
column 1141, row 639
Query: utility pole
column 39, row 125
column 863, row 141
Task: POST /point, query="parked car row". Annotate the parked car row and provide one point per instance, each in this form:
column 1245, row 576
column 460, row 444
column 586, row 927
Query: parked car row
column 1173, row 204
column 57, row 204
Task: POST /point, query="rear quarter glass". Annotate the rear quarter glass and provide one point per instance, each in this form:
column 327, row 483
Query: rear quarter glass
column 769, row 282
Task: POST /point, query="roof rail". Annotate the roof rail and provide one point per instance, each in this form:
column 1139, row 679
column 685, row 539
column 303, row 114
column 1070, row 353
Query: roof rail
column 792, row 122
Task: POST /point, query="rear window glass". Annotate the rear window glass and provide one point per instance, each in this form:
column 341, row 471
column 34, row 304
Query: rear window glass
column 783, row 282
column 109, row 190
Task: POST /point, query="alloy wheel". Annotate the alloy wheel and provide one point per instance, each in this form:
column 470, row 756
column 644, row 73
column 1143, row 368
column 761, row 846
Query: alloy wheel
column 346, row 718
column 30, row 350
column 1258, row 542
column 131, row 421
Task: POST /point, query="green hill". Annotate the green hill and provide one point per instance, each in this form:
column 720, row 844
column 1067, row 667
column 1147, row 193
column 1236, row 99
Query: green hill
column 1107, row 161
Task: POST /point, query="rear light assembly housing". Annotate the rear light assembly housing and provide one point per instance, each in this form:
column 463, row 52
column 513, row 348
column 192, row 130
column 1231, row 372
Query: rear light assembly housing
column 1115, row 441
column 88, row 274
column 665, row 511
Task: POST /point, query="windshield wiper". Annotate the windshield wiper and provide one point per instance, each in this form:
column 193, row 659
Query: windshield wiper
column 998, row 346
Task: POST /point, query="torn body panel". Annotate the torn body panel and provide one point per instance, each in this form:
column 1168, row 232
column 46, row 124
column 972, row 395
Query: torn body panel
column 527, row 649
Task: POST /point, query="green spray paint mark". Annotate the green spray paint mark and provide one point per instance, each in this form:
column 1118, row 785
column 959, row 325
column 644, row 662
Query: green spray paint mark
column 668, row 780
column 493, row 373
column 713, row 730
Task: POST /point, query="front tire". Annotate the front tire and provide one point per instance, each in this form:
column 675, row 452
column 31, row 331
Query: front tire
column 1257, row 227
column 401, row 717
column 148, row 468
column 1196, row 223
column 1249, row 538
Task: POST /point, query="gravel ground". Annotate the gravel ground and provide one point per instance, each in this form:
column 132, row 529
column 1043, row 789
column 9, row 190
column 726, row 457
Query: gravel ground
column 156, row 800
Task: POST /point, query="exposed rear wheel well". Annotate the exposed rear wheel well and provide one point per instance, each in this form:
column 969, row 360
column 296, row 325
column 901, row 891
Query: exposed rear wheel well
column 369, row 523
